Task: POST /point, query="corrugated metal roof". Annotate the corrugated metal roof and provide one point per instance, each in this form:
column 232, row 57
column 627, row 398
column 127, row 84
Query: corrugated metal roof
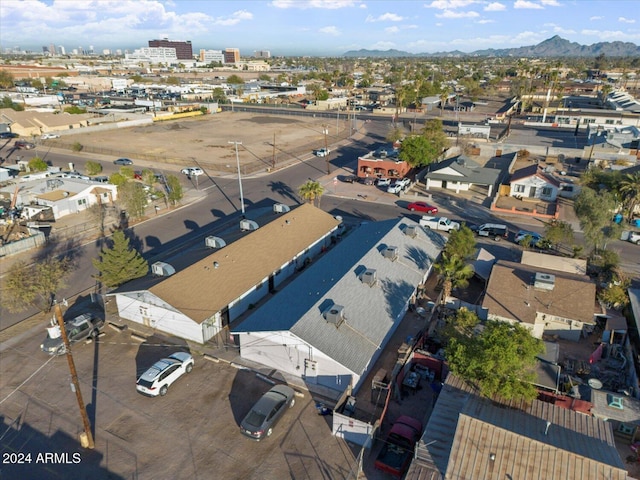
column 201, row 290
column 498, row 440
column 371, row 313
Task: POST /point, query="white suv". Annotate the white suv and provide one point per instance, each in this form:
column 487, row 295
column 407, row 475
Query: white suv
column 192, row 171
column 157, row 380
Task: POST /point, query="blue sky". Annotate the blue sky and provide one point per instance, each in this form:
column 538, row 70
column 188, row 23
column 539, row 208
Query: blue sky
column 315, row 27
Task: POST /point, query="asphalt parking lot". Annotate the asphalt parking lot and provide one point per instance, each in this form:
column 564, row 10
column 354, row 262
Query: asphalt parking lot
column 190, row 433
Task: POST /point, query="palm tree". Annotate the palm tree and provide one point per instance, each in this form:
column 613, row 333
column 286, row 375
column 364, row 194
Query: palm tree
column 630, row 189
column 454, row 273
column 311, row 190
column 444, row 96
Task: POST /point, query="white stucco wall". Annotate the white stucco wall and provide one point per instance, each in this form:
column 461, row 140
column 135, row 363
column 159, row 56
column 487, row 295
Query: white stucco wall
column 538, row 183
column 289, row 354
column 149, row 310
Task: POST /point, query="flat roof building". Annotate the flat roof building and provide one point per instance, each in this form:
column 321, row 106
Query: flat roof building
column 184, row 50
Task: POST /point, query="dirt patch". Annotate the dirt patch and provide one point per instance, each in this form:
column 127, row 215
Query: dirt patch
column 205, row 140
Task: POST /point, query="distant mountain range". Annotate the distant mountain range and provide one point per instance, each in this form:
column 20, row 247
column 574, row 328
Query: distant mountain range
column 552, row 47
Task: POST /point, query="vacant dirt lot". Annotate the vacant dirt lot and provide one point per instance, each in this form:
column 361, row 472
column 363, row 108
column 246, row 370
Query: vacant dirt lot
column 205, row 140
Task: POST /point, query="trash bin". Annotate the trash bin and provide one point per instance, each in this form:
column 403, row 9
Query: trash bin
column 618, row 218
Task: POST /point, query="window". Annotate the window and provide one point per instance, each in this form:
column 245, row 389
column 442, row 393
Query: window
column 609, row 122
column 82, row 201
column 546, row 191
column 518, row 188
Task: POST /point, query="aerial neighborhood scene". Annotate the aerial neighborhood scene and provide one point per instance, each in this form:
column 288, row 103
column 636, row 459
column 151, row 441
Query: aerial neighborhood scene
column 320, row 239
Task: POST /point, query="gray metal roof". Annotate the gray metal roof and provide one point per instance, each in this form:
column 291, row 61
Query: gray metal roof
column 469, row 170
column 466, row 430
column 371, row 313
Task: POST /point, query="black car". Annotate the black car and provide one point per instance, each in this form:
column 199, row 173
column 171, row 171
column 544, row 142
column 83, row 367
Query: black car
column 8, row 135
column 123, row 161
column 264, row 415
column 350, row 178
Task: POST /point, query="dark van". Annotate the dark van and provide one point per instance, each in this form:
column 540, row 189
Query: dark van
column 495, row 230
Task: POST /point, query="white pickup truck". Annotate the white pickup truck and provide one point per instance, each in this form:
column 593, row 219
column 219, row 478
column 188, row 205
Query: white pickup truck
column 439, row 223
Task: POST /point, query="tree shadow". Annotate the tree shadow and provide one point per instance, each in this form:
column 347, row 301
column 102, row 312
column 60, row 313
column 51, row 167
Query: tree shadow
column 135, row 241
column 152, row 241
column 284, row 190
column 191, row 225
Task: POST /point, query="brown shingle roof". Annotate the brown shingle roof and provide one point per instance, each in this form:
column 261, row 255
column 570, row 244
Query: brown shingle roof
column 511, row 288
column 201, row 290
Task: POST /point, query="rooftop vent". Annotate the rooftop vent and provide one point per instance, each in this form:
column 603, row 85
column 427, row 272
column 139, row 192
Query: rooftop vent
column 391, row 253
column 614, row 402
column 544, row 281
column 369, row 277
column 335, row 315
column 411, row 231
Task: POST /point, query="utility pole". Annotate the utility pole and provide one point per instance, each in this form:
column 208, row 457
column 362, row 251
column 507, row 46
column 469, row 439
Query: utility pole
column 75, row 385
column 273, row 158
column 239, row 177
column 325, row 130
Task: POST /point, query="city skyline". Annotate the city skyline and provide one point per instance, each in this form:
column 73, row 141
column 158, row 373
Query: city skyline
column 314, row 27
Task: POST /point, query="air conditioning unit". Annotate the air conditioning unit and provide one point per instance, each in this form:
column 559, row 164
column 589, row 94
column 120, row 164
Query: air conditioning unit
column 544, row 281
column 369, row 277
column 411, row 231
column 391, row 253
column 334, row 314
column 281, row 208
column 214, row 242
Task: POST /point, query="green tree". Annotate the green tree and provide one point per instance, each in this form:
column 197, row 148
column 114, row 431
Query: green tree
column 117, row 179
column 77, row 147
column 557, row 232
column 322, row 95
column 461, row 325
column 453, row 273
column 119, row 262
column 461, row 243
column 630, row 190
column 395, row 134
column 615, row 294
column 595, row 212
column 6, row 80
column 36, row 164
column 235, row 80
column 433, row 131
column 500, row 361
column 417, row 151
column 148, row 177
column 310, row 191
column 75, row 110
column 93, row 168
column 134, row 198
column 34, row 285
column 175, row 192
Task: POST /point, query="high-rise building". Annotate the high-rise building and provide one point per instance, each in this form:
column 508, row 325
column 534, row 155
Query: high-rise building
column 262, row 54
column 52, row 49
column 211, row 56
column 62, row 50
column 231, row 55
column 184, row 51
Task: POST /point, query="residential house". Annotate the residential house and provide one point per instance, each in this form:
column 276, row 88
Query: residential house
column 462, row 174
column 546, row 301
column 28, row 123
column 533, row 182
column 204, row 298
column 65, row 196
column 331, row 323
column 469, row 436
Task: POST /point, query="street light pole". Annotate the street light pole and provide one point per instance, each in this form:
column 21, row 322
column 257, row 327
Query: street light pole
column 325, row 130
column 239, row 177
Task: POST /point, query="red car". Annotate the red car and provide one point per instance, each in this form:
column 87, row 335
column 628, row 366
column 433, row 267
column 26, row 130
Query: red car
column 422, row 207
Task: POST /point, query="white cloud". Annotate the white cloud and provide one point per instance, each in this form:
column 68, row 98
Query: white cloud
column 559, row 29
column 233, row 19
column 330, row 30
column 450, row 4
column 391, row 30
column 485, row 21
column 454, row 14
column 495, row 7
column 526, row 4
column 550, row 3
column 609, row 35
column 596, row 18
column 385, row 17
column 626, row 20
column 324, row 4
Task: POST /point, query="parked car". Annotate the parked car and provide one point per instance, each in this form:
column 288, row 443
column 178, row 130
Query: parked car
column 495, row 230
column 9, row 135
column 24, row 144
column 48, row 136
column 634, row 237
column 264, row 415
column 367, row 180
column 534, row 237
column 321, row 152
column 350, row 178
column 157, row 379
column 80, row 328
column 422, row 207
column 137, row 174
column 383, row 182
column 123, row 161
column 192, row 171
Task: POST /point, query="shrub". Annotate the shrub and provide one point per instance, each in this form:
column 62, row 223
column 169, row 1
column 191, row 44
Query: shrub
column 77, row 147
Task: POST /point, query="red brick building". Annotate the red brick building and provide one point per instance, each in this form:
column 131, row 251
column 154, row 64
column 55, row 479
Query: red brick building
column 382, row 163
column 184, row 50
